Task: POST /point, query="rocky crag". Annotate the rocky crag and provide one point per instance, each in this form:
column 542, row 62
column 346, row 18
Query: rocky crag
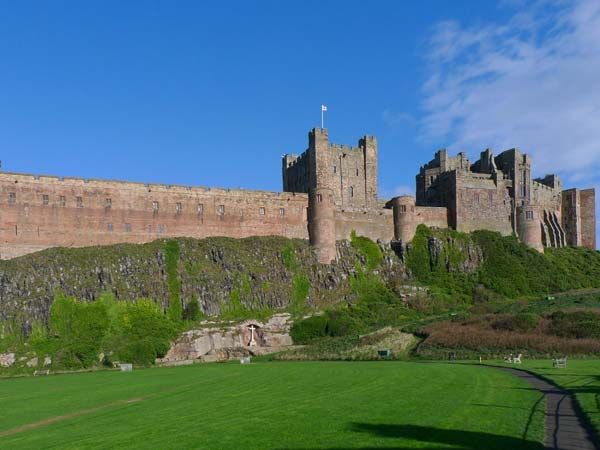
column 230, row 278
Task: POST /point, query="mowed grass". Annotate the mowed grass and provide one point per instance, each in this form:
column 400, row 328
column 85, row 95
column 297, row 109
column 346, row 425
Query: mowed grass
column 581, row 377
column 299, row 405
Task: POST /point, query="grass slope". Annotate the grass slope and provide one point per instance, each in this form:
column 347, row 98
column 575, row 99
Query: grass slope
column 307, row 405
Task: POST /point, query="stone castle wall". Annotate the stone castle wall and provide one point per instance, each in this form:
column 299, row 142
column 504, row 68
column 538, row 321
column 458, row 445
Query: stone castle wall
column 588, row 218
column 481, row 203
column 376, row 225
column 38, row 212
column 330, row 191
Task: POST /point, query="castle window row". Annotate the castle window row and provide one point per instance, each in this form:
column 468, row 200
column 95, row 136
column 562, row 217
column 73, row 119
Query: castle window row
column 357, row 171
column 12, row 200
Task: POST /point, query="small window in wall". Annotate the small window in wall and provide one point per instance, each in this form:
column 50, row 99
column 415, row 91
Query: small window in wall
column 403, row 208
column 431, row 179
column 221, row 210
column 261, row 211
column 79, row 202
column 63, row 201
column 108, row 203
column 357, row 171
column 12, row 198
column 529, row 215
column 476, row 198
column 128, row 228
column 334, row 169
column 155, row 206
column 281, row 212
column 200, row 208
column 178, row 208
column 351, row 191
column 110, row 227
column 319, row 198
column 45, row 199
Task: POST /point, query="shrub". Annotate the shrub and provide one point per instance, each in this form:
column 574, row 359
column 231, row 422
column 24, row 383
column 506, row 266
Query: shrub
column 80, row 328
column 341, row 323
column 517, row 322
column 192, row 311
column 142, row 333
column 308, row 329
column 576, row 324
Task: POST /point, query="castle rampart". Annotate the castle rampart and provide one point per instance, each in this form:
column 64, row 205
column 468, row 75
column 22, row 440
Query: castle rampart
column 330, row 190
column 38, row 212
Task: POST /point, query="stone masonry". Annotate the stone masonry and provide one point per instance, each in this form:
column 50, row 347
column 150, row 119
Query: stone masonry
column 330, row 191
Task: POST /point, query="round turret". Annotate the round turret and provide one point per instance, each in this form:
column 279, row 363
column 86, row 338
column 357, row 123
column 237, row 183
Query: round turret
column 321, row 224
column 405, row 221
column 529, row 226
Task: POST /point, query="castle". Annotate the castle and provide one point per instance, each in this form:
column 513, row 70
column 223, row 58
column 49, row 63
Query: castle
column 328, row 191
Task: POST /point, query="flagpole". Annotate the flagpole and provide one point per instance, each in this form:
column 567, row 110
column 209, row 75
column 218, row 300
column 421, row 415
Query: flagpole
column 322, row 126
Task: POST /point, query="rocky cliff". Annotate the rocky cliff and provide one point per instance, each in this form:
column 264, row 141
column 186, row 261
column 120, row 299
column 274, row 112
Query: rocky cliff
column 235, row 277
column 221, row 274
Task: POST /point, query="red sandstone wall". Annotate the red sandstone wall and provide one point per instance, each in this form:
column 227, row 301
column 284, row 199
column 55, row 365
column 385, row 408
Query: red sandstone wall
column 588, row 218
column 432, row 216
column 28, row 224
column 482, row 205
column 373, row 224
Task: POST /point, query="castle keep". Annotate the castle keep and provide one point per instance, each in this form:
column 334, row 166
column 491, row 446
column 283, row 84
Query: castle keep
column 329, row 191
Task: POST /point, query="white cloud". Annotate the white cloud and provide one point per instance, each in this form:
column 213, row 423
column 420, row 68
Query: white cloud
column 395, row 119
column 532, row 82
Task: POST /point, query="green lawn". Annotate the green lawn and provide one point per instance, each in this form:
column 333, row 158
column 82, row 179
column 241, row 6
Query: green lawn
column 270, row 405
column 581, row 377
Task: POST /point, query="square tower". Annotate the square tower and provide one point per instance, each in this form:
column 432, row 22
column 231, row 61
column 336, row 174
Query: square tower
column 350, row 172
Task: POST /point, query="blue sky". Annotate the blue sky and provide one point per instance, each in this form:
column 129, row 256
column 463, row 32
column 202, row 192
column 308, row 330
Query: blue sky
column 213, row 94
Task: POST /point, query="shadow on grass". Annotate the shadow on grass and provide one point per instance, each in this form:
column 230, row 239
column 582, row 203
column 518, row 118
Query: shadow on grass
column 439, row 438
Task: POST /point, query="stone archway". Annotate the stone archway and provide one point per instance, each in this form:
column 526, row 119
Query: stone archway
column 251, row 333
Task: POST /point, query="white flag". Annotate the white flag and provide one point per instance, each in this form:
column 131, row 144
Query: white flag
column 323, row 108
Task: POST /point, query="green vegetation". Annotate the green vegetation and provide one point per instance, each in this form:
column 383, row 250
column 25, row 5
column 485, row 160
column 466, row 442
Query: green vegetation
column 77, row 329
column 570, row 332
column 289, row 258
column 172, row 251
column 304, row 405
column 508, row 268
column 300, row 290
column 442, row 271
column 86, row 334
column 368, row 249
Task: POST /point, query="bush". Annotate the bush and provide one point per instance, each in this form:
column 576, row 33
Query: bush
column 576, row 324
column 311, row 328
column 341, row 323
column 79, row 328
column 519, row 322
column 141, row 333
column 192, row 311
